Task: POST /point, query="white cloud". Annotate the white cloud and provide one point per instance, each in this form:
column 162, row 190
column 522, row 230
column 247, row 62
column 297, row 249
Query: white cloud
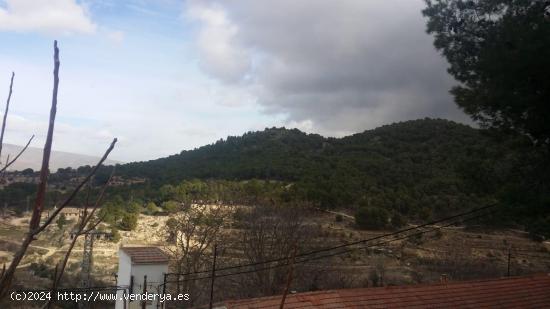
column 222, row 56
column 45, row 16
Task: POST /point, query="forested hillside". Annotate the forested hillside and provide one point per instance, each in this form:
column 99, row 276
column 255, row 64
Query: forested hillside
column 292, row 155
column 419, row 168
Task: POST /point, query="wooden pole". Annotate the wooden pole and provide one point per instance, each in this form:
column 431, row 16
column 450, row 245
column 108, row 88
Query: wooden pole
column 213, row 276
column 144, row 302
column 289, row 278
column 164, row 288
column 509, row 258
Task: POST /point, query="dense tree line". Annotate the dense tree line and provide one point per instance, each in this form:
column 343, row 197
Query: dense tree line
column 497, row 52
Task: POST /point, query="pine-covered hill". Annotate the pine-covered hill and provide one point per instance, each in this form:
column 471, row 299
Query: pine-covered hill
column 271, row 154
column 411, row 167
column 417, row 148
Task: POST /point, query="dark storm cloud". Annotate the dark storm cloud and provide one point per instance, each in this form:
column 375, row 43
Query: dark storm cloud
column 339, row 66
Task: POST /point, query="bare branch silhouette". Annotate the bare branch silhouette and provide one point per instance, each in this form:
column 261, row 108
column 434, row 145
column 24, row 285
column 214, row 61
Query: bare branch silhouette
column 9, row 163
column 45, row 170
column 71, row 196
column 6, row 113
column 80, row 230
column 34, row 226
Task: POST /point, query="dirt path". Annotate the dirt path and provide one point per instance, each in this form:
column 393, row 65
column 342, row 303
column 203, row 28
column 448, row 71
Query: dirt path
column 344, row 215
column 51, row 251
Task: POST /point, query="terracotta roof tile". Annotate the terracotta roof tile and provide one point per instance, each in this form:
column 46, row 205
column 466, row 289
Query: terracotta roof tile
column 146, row 255
column 515, row 292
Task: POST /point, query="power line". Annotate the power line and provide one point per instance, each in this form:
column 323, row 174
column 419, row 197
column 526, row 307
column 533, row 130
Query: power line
column 531, row 256
column 344, row 245
column 517, row 252
column 332, row 254
column 94, row 288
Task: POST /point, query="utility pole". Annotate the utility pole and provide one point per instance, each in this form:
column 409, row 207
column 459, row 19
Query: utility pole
column 213, row 276
column 289, row 278
column 86, row 265
column 87, row 260
column 509, row 257
column 87, row 254
column 144, row 302
column 164, row 288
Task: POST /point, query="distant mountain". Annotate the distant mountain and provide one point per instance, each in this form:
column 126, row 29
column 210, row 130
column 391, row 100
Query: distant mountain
column 32, row 158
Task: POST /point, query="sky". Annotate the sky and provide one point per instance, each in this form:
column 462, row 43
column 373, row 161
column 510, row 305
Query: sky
column 166, row 75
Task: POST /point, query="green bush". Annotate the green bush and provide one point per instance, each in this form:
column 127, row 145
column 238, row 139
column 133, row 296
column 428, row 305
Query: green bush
column 61, row 221
column 171, row 206
column 41, row 270
column 115, row 235
column 128, row 222
column 373, row 218
column 152, row 208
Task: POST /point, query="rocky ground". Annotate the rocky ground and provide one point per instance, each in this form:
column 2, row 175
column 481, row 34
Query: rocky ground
column 457, row 253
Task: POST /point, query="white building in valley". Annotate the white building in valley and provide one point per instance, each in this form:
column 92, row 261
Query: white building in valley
column 136, row 266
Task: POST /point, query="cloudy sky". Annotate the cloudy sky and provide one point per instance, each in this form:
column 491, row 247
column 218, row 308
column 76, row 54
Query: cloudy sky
column 169, row 75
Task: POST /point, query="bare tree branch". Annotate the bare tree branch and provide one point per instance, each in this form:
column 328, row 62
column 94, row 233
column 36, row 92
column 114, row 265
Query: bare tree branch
column 4, row 121
column 96, row 205
column 18, row 155
column 34, row 226
column 45, row 170
column 6, row 113
column 84, row 220
column 75, row 190
column 81, row 230
column 6, row 280
column 3, row 172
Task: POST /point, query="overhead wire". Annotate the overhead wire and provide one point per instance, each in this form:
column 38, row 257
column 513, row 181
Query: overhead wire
column 347, row 250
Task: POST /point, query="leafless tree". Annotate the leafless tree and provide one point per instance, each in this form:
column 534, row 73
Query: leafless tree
column 271, row 232
column 194, row 231
column 35, row 225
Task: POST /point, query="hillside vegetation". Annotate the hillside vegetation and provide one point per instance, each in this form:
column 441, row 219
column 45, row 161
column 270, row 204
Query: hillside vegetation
column 420, row 169
column 413, row 170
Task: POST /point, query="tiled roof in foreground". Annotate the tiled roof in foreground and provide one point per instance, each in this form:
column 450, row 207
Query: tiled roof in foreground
column 514, row 292
column 146, row 255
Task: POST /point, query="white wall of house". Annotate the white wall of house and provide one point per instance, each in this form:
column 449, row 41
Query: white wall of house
column 155, row 276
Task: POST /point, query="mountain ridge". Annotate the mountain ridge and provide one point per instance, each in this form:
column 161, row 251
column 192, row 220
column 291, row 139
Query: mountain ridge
column 32, row 158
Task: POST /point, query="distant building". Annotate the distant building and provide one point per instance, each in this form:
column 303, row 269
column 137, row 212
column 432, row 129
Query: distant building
column 68, row 212
column 509, row 293
column 136, row 263
column 71, row 212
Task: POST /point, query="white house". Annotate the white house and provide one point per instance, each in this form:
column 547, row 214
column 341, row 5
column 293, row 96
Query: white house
column 134, row 264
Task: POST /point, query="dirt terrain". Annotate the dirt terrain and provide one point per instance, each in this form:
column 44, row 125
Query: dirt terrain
column 457, row 253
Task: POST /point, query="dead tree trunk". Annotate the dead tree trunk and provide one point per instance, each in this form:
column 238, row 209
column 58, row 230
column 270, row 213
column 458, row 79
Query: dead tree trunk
column 35, row 227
